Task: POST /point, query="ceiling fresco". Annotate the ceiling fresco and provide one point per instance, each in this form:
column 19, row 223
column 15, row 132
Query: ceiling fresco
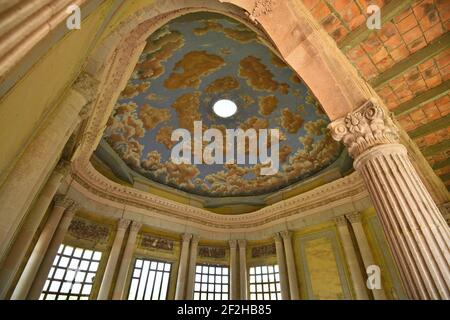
column 188, row 65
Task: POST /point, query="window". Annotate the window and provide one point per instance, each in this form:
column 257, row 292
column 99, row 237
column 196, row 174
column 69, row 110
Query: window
column 72, row 274
column 211, row 283
column 265, row 283
column 150, row 280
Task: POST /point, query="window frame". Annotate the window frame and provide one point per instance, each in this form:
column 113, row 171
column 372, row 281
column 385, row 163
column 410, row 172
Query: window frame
column 214, row 284
column 254, row 295
column 132, row 277
column 56, row 266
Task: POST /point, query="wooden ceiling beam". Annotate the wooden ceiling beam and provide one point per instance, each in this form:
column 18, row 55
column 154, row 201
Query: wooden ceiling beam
column 430, row 127
column 423, row 98
column 436, row 148
column 441, row 164
column 433, row 49
column 388, row 12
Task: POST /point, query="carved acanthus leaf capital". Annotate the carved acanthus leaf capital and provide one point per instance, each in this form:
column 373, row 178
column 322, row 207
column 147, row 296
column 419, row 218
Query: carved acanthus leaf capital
column 63, row 201
column 195, row 239
column 286, row 235
column 242, row 243
column 233, row 244
column 186, row 237
column 123, row 224
column 63, row 167
column 87, row 86
column 364, row 128
column 277, row 237
column 340, row 221
column 73, row 208
column 354, row 217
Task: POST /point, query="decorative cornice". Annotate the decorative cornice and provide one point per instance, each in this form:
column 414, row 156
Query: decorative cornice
column 340, row 221
column 364, row 128
column 63, row 201
column 342, row 190
column 123, row 224
column 354, row 217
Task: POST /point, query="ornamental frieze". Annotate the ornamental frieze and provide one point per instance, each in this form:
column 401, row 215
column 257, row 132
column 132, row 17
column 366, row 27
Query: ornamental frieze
column 211, row 252
column 87, row 230
column 151, row 242
column 263, row 251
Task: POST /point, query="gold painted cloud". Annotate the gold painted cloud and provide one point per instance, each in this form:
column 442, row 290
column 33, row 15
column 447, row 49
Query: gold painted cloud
column 257, row 75
column 194, row 65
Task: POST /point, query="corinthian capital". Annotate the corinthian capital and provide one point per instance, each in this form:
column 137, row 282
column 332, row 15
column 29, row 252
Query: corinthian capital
column 364, row 128
column 86, row 85
column 63, row 201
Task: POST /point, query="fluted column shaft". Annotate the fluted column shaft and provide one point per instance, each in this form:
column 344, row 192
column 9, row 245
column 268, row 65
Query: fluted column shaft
column 290, row 263
column 364, row 249
column 113, row 258
column 243, row 295
column 234, row 271
column 352, row 259
column 25, row 180
column 47, row 262
column 119, row 289
column 416, row 231
column 31, row 268
column 27, row 231
column 281, row 259
column 182, row 267
column 191, row 273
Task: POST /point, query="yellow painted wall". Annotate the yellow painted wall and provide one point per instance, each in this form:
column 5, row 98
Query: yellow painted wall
column 321, row 268
column 24, row 107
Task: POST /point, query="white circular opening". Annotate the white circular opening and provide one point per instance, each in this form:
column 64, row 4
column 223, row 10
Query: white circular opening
column 225, row 108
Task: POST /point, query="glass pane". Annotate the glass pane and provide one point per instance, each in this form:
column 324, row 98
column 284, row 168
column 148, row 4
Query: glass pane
column 78, row 253
column 87, row 254
column 68, row 251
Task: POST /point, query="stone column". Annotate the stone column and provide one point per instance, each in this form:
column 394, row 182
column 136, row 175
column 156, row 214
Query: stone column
column 47, row 262
column 113, row 258
column 243, row 270
column 364, row 249
column 290, row 262
column 182, row 267
column 416, row 231
column 27, row 231
column 234, row 271
column 31, row 268
column 352, row 259
column 192, row 265
column 40, row 156
column 284, row 283
column 119, row 289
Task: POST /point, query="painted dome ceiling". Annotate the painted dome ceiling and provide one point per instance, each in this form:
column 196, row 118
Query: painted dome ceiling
column 189, row 64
